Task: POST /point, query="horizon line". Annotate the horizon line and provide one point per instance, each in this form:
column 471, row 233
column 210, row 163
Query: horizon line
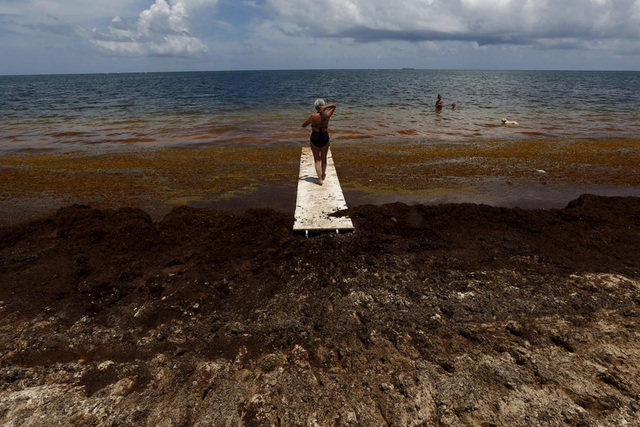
column 320, row 69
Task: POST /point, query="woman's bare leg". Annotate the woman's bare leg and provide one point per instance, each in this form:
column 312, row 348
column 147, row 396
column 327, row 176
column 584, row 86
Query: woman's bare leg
column 317, row 159
column 324, row 150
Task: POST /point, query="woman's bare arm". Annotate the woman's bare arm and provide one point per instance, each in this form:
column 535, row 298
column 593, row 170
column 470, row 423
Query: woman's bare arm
column 331, row 108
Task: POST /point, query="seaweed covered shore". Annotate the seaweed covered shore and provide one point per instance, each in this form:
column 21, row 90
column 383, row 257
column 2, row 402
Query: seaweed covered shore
column 531, row 173
column 456, row 314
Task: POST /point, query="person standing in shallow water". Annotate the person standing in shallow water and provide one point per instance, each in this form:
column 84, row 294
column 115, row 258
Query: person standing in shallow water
column 439, row 103
column 319, row 140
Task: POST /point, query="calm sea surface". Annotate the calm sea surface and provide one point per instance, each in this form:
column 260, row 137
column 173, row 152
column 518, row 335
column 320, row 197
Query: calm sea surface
column 262, row 107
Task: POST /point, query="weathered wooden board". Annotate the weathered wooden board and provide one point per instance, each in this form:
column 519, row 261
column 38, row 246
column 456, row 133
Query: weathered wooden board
column 315, row 203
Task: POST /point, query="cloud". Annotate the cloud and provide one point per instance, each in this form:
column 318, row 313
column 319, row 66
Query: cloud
column 248, row 34
column 57, row 30
column 161, row 30
column 486, row 22
column 71, row 12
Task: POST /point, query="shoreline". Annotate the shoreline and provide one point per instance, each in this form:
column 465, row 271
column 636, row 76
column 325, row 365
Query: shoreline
column 150, row 274
column 531, row 174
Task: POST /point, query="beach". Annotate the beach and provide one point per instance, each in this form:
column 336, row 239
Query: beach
column 231, row 140
column 166, row 286
column 454, row 314
column 531, row 173
column 149, row 274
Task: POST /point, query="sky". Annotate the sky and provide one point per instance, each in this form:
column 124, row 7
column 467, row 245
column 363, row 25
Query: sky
column 97, row 36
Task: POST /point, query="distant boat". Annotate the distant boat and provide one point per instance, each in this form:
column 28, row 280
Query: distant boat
column 408, row 68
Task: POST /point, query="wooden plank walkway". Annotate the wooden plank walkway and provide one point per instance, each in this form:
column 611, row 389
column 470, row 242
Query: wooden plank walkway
column 314, row 203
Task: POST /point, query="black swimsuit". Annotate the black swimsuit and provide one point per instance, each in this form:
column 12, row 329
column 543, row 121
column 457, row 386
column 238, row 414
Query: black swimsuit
column 319, row 138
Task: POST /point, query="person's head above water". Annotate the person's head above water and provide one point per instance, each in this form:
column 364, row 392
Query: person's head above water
column 318, row 104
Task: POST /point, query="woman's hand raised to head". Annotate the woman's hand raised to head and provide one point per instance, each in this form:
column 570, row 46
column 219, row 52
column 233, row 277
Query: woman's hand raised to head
column 330, row 107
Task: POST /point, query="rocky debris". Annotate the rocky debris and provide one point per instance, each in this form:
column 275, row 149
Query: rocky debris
column 427, row 315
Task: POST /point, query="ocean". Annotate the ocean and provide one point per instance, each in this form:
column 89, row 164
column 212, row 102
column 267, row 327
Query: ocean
column 267, row 107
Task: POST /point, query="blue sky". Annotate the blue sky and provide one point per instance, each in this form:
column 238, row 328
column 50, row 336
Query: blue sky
column 93, row 36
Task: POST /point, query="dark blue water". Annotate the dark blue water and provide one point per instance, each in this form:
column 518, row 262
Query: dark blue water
column 269, row 106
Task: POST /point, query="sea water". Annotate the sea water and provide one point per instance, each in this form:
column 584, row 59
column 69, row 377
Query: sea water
column 266, row 107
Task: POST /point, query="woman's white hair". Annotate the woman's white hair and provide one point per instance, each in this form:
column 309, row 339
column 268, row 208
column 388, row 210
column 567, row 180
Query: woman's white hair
column 318, row 104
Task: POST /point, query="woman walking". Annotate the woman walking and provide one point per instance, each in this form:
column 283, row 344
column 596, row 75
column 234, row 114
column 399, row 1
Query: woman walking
column 319, row 122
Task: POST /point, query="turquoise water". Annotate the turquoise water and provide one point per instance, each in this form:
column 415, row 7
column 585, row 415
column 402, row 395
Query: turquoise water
column 264, row 107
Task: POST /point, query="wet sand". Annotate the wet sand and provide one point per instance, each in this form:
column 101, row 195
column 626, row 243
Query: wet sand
column 529, row 173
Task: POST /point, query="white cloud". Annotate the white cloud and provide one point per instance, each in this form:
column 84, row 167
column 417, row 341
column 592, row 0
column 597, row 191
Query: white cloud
column 519, row 22
column 161, row 30
column 484, row 4
column 251, row 34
